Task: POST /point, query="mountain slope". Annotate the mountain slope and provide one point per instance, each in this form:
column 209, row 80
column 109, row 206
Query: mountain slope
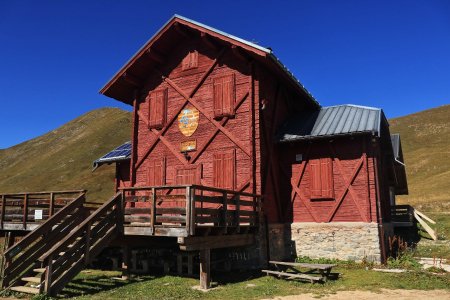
column 426, row 148
column 62, row 159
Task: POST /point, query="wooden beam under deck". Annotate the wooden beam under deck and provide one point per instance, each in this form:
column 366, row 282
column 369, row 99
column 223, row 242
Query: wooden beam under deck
column 214, row 242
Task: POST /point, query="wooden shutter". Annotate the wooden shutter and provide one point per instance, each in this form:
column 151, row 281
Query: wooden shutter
column 190, row 61
column 326, row 170
column 321, row 178
column 156, row 172
column 188, row 175
column 157, row 108
column 224, row 171
column 224, row 95
column 315, row 185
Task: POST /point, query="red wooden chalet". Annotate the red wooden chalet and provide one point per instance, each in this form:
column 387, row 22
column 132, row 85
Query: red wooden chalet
column 219, row 124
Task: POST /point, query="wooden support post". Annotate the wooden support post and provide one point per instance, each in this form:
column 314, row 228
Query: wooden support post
column 3, row 210
column 192, row 211
column 190, row 263
column 180, row 264
column 125, row 261
column 238, row 208
column 25, row 211
column 205, row 269
column 52, row 205
column 188, row 210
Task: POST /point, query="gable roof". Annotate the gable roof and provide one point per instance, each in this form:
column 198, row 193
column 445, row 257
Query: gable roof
column 120, row 89
column 332, row 121
column 121, row 153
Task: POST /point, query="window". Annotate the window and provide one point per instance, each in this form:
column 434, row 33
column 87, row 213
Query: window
column 188, row 175
column 224, row 169
column 224, row 96
column 156, row 172
column 321, row 181
column 190, row 61
column 157, row 101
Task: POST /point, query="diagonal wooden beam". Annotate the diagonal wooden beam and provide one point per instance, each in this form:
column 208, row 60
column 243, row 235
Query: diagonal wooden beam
column 225, row 131
column 350, row 187
column 175, row 116
column 216, row 131
column 304, row 200
column 165, row 141
column 344, row 192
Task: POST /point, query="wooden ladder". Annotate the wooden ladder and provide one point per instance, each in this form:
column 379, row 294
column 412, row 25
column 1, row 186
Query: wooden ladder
column 45, row 260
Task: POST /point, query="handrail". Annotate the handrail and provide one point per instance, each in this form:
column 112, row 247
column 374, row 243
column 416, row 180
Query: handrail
column 44, row 227
column 44, row 192
column 182, row 186
column 56, row 248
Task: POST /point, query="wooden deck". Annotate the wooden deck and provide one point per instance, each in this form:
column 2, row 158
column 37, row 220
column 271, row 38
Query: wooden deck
column 402, row 215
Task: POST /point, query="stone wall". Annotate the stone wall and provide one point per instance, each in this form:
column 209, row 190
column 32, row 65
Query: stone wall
column 339, row 240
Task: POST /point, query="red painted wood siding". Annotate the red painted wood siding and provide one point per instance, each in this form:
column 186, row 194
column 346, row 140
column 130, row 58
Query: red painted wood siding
column 351, row 161
column 236, row 80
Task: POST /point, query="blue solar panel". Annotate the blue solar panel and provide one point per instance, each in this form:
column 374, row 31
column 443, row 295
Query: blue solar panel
column 120, row 152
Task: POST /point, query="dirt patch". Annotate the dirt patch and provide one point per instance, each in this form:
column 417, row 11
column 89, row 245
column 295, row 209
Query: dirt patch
column 367, row 295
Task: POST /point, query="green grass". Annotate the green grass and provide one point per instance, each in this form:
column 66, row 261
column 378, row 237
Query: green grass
column 426, row 148
column 440, row 248
column 100, row 285
column 62, row 159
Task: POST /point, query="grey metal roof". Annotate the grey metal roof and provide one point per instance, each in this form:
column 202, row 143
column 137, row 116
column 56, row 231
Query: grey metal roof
column 395, row 140
column 330, row 121
column 123, row 152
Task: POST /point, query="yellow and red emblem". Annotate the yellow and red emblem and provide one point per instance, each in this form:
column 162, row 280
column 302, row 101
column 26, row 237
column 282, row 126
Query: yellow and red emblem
column 188, row 121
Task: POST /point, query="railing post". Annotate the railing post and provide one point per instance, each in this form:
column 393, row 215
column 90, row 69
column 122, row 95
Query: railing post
column 52, row 205
column 120, row 213
column 153, row 211
column 238, row 207
column 224, row 209
column 3, row 210
column 48, row 275
column 25, row 211
column 192, row 212
column 88, row 243
column 188, row 210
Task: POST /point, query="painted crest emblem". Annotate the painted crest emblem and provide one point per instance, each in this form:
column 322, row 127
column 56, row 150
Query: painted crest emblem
column 188, row 121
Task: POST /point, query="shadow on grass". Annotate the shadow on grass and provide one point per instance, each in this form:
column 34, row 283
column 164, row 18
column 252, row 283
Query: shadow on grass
column 96, row 284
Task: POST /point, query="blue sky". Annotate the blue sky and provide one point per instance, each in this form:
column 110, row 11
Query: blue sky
column 56, row 55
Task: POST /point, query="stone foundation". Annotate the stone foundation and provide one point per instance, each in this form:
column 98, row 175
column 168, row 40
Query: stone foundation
column 338, row 240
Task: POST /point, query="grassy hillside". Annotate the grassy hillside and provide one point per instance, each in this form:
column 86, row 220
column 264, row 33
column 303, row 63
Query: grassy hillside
column 62, row 158
column 426, row 149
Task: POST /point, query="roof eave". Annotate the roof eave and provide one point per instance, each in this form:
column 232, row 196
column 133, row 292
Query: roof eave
column 324, row 137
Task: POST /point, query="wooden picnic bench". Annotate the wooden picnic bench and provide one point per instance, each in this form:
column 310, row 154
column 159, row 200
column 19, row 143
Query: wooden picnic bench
column 289, row 270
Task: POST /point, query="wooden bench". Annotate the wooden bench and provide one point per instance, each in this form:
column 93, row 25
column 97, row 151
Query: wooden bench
column 289, row 270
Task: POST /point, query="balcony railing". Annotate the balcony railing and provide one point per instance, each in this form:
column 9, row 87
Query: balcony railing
column 185, row 210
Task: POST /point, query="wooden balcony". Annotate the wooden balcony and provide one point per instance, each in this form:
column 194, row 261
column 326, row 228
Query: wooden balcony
column 189, row 210
column 26, row 211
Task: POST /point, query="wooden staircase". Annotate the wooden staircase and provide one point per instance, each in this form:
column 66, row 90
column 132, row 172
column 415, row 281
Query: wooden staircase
column 46, row 259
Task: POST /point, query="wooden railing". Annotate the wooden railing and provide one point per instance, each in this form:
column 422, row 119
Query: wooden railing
column 402, row 214
column 21, row 257
column 20, row 210
column 73, row 252
column 183, row 209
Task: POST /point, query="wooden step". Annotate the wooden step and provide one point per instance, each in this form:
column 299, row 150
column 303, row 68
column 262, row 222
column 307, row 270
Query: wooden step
column 31, row 279
column 25, row 289
column 39, row 270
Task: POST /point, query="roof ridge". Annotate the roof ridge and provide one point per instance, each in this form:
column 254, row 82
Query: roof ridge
column 352, row 105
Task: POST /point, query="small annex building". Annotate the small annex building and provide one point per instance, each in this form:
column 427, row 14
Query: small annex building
column 215, row 110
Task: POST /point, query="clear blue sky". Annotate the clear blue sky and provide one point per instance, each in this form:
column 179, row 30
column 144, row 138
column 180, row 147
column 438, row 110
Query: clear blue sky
column 56, row 55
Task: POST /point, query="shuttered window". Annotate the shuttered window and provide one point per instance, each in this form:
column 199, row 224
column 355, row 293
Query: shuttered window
column 190, row 61
column 188, row 175
column 224, row 95
column 224, row 163
column 321, row 181
column 157, row 102
column 156, row 172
